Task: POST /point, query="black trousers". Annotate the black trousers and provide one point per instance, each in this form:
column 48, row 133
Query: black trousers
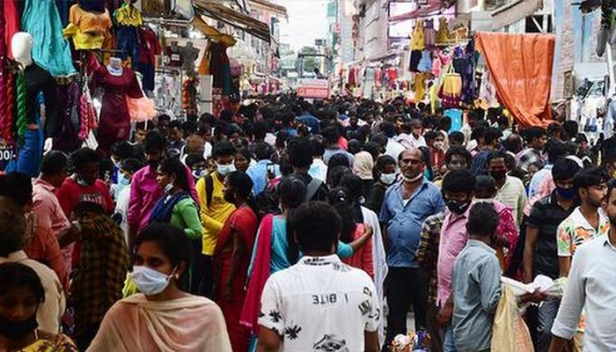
column 405, row 286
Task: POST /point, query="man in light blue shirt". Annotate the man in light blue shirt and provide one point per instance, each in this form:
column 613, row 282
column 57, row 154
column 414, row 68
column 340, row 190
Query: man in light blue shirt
column 555, row 150
column 259, row 172
column 405, row 207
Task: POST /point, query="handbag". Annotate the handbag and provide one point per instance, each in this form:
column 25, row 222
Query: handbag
column 451, row 89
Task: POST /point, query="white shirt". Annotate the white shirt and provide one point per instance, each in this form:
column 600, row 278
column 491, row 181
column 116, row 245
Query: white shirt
column 409, row 141
column 513, row 194
column 591, row 286
column 122, row 209
column 320, row 304
column 318, row 169
column 394, row 149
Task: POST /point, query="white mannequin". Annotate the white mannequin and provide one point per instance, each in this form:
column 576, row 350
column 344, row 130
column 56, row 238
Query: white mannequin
column 115, row 66
column 21, row 48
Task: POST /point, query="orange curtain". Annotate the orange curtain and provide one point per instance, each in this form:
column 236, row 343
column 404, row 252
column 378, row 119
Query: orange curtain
column 521, row 67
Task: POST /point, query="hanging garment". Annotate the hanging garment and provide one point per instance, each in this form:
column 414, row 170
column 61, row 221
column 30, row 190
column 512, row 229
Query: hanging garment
column 68, row 99
column 174, row 56
column 417, row 40
column 430, row 33
column 90, row 22
column 150, row 47
column 38, row 81
column 442, row 35
column 420, row 87
column 93, row 5
column 451, row 90
column 127, row 41
column 189, row 55
column 469, row 85
column 487, row 91
column 11, row 23
column 63, row 9
column 425, row 64
column 30, row 152
column 114, row 121
column 84, row 41
column 50, row 50
column 128, row 15
column 414, row 60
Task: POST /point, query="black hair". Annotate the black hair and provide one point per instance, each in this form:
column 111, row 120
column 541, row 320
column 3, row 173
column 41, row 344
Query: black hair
column 17, row 186
column 503, row 121
column 243, row 184
column 593, row 176
column 482, row 220
column 456, row 136
column 496, row 154
column 461, row 151
column 341, row 200
column 292, row 193
column 15, row 274
column 478, row 132
column 131, row 165
column 485, row 182
column 554, row 128
column 330, row 134
column 144, row 126
column 335, row 174
column 513, row 143
column 328, row 224
column 88, row 207
column 492, row 134
column 245, row 153
column 172, row 242
column 571, row 128
column 354, row 184
column 122, row 149
column 12, row 227
column 223, row 148
column 154, row 141
column 338, row 159
column 54, row 163
column 430, row 135
column 444, row 123
column 318, row 149
column 459, row 181
column 354, row 146
column 381, row 163
column 299, row 151
column 194, row 158
column 372, row 148
column 170, row 166
column 556, row 149
column 611, row 184
column 565, row 169
column 388, row 128
column 263, row 151
column 534, row 132
column 164, row 117
column 81, row 157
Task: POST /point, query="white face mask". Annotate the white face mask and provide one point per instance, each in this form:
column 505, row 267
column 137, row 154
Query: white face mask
column 439, row 145
column 413, row 179
column 224, row 170
column 149, row 281
column 168, row 187
column 388, row 179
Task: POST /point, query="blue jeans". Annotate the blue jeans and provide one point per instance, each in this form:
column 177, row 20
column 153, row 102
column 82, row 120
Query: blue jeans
column 545, row 319
column 449, row 344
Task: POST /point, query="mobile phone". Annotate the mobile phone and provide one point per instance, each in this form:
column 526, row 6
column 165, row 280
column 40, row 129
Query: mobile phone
column 271, row 169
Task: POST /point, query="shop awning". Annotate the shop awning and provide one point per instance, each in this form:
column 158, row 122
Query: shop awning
column 514, row 11
column 421, row 11
column 234, row 18
column 269, row 6
column 212, row 33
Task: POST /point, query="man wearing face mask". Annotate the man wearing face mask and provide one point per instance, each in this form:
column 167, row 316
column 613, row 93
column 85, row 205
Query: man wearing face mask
column 458, row 187
column 405, row 207
column 511, row 190
column 540, row 249
column 214, row 209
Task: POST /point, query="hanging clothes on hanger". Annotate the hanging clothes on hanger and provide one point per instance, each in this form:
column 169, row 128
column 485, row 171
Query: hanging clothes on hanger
column 430, row 34
column 442, row 35
column 469, row 84
column 418, row 40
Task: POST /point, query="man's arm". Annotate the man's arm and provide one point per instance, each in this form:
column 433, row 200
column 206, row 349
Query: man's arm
column 269, row 340
column 371, row 341
column 532, row 234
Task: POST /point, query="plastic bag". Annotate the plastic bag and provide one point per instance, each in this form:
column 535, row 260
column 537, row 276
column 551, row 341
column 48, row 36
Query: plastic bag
column 509, row 332
column 141, row 109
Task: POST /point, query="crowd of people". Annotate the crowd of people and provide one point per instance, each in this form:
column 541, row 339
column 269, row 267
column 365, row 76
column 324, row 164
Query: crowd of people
column 297, row 226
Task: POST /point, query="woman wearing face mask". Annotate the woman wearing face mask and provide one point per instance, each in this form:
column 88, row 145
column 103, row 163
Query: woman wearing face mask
column 21, row 294
column 232, row 255
column 177, row 208
column 385, row 175
column 437, row 152
column 163, row 317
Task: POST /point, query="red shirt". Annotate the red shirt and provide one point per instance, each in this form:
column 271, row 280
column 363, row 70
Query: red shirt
column 71, row 194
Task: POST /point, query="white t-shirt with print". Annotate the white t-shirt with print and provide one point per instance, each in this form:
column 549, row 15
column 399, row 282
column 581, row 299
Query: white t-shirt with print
column 320, row 304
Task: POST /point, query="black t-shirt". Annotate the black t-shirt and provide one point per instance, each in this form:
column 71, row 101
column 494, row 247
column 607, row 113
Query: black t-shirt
column 546, row 215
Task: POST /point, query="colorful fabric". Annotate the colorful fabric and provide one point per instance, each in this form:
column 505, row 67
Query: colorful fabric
column 57, row 343
column 189, row 324
column 575, row 231
column 128, row 15
column 164, row 207
column 83, row 40
column 214, row 215
column 99, row 278
column 50, row 51
column 90, row 22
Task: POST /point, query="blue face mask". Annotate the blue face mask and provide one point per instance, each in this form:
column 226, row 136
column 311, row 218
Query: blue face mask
column 123, row 181
column 567, row 193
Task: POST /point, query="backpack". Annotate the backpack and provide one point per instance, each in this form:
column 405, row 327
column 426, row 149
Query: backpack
column 268, row 200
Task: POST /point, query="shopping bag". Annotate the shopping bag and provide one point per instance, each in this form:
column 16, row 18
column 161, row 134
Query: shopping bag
column 141, row 109
column 509, row 332
column 451, row 89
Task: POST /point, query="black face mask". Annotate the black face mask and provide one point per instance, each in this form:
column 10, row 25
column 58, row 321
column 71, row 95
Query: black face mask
column 498, row 174
column 16, row 330
column 457, row 207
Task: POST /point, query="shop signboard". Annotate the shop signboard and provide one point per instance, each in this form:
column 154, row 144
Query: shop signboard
column 313, row 88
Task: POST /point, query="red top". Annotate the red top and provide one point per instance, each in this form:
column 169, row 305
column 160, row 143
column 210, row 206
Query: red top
column 71, row 193
column 362, row 258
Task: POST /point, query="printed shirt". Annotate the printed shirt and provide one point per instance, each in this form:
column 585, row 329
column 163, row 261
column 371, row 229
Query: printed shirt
column 575, row 230
column 427, row 253
column 404, row 219
column 342, row 299
column 528, row 156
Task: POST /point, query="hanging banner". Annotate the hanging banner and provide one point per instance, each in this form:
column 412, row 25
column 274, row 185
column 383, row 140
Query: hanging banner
column 313, row 88
column 521, row 67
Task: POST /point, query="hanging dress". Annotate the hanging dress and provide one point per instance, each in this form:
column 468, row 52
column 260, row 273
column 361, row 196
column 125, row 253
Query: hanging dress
column 425, row 64
column 418, row 41
column 442, row 34
column 430, row 33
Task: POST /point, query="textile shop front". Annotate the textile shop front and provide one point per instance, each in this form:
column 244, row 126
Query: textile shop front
column 85, row 74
